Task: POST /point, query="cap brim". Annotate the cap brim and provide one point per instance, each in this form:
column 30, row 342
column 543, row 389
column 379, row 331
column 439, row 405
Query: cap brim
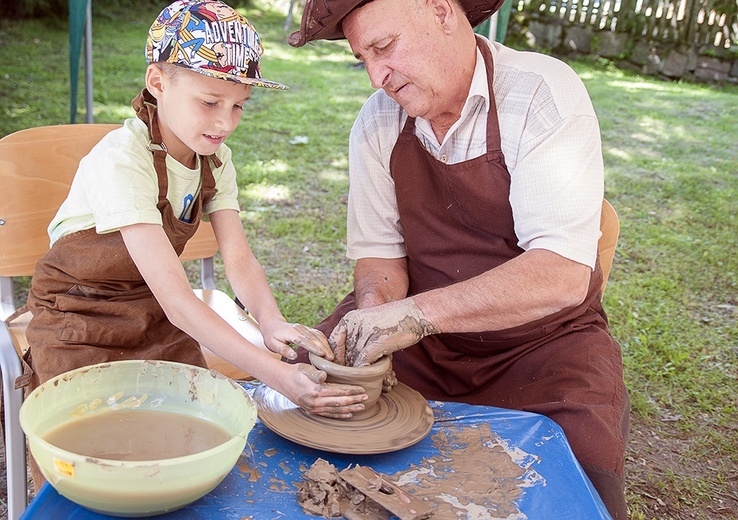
column 262, row 83
column 256, row 82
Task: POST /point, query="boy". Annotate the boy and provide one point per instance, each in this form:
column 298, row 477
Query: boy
column 112, row 286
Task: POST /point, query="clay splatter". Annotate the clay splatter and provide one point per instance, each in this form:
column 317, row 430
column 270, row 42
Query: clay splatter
column 489, row 488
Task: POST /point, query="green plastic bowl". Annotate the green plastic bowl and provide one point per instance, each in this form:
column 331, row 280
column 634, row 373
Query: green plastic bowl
column 137, row 488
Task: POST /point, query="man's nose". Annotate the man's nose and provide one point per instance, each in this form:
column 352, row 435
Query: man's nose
column 379, row 73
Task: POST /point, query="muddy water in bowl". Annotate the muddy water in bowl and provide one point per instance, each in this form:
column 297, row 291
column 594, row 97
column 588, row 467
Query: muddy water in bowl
column 137, row 435
column 369, row 377
column 110, row 391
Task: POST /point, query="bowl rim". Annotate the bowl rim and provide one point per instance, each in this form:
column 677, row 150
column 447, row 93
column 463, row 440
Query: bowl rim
column 34, row 437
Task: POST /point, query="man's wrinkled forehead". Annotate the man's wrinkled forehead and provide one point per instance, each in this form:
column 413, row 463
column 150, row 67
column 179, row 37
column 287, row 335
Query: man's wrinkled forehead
column 351, row 12
column 376, row 24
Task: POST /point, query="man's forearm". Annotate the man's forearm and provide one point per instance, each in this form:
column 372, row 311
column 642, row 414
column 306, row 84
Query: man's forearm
column 536, row 284
column 380, row 280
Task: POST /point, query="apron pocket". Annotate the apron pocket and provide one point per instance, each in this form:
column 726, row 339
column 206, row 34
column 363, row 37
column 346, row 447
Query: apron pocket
column 123, row 319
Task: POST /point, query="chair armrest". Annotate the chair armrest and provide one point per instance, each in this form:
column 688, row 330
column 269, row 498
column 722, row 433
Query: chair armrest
column 7, row 300
column 15, row 441
column 207, row 273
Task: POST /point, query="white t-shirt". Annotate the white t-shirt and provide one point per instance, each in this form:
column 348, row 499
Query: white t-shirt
column 116, row 185
column 551, row 143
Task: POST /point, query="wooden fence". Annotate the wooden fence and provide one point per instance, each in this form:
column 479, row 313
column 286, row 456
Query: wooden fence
column 701, row 23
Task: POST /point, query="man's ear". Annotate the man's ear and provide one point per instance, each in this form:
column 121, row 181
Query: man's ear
column 446, row 13
column 155, row 79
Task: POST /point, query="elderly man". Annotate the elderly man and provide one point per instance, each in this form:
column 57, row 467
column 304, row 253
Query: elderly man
column 476, row 185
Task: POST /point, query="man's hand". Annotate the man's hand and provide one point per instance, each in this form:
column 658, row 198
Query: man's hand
column 365, row 335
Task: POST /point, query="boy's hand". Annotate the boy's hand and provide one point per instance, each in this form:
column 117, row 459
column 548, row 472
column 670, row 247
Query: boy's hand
column 313, row 395
column 278, row 335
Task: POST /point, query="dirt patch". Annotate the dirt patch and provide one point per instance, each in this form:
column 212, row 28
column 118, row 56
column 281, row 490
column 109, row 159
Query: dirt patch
column 670, row 475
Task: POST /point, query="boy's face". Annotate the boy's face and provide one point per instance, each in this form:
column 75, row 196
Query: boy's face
column 196, row 112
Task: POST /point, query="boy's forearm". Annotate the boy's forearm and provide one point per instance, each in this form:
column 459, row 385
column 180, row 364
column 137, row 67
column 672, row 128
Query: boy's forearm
column 254, row 293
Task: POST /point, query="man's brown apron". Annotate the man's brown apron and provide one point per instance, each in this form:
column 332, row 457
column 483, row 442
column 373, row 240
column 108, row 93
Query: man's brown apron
column 89, row 302
column 457, row 224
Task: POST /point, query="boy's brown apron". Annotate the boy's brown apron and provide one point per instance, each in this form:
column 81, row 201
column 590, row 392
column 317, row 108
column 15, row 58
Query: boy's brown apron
column 89, row 302
column 457, row 224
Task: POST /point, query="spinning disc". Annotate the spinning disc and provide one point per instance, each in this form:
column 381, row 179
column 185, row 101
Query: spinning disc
column 400, row 418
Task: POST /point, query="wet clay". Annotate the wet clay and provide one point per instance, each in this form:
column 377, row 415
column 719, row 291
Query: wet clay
column 137, row 435
column 323, row 493
column 378, row 488
column 369, row 377
column 473, row 478
column 400, row 418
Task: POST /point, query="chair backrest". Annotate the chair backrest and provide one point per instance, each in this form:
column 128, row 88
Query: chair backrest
column 610, row 228
column 36, row 169
column 37, row 166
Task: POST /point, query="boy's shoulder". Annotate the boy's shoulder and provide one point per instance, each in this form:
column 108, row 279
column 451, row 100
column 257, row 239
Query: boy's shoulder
column 131, row 136
column 130, row 140
column 134, row 132
column 123, row 147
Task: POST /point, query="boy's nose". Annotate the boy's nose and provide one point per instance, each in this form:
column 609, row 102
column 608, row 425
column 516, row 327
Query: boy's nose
column 227, row 121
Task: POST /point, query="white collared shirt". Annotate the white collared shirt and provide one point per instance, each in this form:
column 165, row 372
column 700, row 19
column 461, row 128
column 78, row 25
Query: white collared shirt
column 551, row 143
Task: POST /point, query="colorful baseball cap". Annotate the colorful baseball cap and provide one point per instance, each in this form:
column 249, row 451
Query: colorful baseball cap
column 209, row 37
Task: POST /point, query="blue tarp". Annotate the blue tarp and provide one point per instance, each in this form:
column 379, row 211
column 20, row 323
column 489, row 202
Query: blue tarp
column 553, row 484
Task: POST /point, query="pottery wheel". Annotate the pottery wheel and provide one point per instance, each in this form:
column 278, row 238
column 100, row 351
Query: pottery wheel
column 400, row 418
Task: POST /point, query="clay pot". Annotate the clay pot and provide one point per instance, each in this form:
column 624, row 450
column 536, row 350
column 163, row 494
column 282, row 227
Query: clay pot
column 369, row 377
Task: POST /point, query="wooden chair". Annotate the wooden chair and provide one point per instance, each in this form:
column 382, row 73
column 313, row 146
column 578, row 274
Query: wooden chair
column 610, row 228
column 36, row 169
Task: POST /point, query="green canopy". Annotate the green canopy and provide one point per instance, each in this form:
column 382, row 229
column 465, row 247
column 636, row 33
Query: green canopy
column 501, row 17
column 80, row 28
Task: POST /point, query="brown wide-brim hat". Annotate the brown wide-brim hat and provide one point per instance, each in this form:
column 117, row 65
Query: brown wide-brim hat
column 321, row 19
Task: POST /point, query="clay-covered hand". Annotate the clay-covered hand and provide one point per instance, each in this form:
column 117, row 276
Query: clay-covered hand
column 365, row 335
column 278, row 335
column 314, row 395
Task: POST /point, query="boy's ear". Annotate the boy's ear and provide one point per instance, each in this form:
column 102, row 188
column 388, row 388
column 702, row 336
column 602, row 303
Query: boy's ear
column 155, row 80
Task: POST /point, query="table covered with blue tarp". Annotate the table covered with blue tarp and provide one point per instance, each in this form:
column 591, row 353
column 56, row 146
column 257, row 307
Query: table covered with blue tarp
column 263, row 484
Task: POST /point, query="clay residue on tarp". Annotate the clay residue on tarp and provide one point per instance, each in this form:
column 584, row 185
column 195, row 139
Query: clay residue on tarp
column 473, row 477
column 323, row 493
column 320, row 491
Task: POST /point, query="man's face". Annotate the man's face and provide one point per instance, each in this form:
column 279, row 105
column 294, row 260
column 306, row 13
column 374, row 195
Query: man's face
column 401, row 44
column 197, row 112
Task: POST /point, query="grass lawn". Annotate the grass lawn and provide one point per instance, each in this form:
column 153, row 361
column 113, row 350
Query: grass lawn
column 671, row 172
